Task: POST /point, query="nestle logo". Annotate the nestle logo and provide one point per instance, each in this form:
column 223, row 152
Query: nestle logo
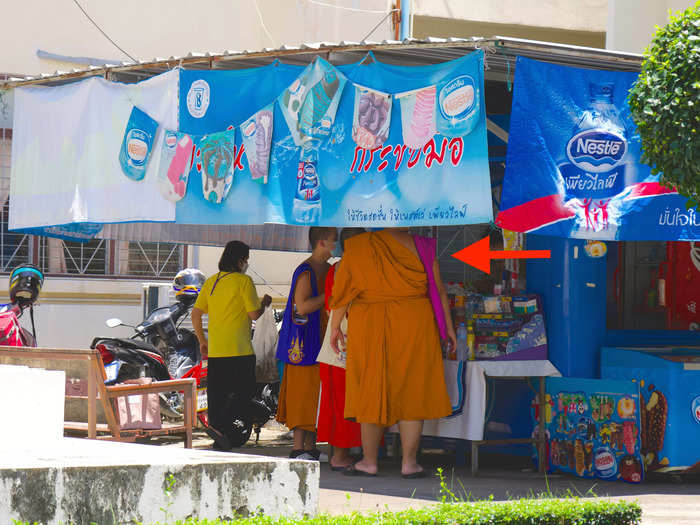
column 310, row 170
column 596, row 150
column 170, row 139
column 604, row 461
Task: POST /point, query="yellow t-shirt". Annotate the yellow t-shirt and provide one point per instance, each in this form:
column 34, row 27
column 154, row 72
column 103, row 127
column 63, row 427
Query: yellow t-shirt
column 227, row 298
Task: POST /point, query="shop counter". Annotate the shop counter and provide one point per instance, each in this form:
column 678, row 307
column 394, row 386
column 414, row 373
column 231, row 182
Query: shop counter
column 466, row 385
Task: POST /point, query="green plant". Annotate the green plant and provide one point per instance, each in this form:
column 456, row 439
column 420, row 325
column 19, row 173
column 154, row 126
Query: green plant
column 548, row 511
column 570, row 511
column 168, row 489
column 665, row 103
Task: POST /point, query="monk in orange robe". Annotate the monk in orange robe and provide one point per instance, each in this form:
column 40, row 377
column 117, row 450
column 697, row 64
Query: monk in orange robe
column 394, row 364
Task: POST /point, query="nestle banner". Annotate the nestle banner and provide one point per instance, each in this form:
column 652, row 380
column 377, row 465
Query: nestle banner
column 573, row 166
column 366, row 144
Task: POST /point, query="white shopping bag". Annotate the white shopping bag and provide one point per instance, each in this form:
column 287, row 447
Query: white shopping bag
column 265, row 347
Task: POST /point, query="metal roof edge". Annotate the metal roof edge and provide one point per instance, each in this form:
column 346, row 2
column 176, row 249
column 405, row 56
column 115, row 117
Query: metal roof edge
column 531, row 48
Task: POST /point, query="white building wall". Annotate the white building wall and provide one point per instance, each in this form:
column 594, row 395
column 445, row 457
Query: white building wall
column 631, row 23
column 579, row 15
column 164, row 28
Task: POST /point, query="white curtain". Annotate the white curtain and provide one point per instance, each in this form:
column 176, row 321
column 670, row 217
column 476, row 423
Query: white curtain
column 65, row 152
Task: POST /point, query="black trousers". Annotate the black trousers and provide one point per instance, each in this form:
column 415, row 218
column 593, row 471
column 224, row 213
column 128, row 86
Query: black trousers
column 227, row 376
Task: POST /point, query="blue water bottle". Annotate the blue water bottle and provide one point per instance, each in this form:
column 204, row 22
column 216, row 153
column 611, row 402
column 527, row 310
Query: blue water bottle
column 307, row 199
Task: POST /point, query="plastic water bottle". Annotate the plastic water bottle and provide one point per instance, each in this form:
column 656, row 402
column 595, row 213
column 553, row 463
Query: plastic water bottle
column 307, row 200
column 461, row 342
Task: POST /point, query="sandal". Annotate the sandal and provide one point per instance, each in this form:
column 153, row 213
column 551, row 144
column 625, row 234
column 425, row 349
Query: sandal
column 352, row 470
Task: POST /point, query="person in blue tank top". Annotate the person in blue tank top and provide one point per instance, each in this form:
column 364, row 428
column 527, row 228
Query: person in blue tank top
column 300, row 342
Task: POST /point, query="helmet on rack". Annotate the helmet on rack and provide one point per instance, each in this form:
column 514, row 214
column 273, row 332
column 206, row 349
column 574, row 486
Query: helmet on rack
column 25, row 284
column 187, row 284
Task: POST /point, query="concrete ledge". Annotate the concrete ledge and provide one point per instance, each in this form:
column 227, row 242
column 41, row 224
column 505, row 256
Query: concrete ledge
column 83, row 481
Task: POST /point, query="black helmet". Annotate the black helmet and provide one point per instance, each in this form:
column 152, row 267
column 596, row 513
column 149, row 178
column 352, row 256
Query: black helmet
column 25, row 284
column 187, row 284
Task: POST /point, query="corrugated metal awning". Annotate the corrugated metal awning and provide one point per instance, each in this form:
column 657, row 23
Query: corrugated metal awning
column 500, row 56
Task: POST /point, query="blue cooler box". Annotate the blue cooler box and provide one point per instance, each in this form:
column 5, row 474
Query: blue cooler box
column 669, row 380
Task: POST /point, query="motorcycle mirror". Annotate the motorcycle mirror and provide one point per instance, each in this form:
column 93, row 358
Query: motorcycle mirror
column 113, row 322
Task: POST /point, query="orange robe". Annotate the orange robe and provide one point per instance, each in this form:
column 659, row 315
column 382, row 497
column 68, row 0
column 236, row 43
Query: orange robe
column 394, row 363
column 297, row 405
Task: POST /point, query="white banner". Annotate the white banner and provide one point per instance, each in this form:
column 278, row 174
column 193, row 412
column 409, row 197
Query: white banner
column 65, row 152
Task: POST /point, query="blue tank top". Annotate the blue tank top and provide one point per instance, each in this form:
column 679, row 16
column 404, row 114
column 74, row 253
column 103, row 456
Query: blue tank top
column 300, row 337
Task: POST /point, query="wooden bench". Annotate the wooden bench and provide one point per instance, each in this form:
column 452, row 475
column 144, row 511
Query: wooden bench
column 86, row 365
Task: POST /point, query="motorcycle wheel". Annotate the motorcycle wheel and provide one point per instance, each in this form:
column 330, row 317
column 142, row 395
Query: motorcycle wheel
column 238, row 432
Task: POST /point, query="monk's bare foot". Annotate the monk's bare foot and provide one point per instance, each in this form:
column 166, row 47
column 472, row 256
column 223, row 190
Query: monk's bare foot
column 412, row 469
column 366, row 467
column 340, row 462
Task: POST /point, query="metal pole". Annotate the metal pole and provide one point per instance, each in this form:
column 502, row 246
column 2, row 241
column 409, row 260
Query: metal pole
column 406, row 20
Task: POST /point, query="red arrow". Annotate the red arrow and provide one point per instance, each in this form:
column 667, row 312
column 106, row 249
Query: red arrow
column 479, row 255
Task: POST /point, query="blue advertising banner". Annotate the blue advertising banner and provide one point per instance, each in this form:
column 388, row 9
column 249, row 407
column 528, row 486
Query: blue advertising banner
column 573, row 166
column 365, row 144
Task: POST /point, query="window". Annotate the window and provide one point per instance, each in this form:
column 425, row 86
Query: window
column 153, row 259
column 15, row 248
column 72, row 257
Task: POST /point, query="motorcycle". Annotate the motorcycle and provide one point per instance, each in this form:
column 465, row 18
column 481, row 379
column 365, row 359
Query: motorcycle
column 163, row 350
column 11, row 332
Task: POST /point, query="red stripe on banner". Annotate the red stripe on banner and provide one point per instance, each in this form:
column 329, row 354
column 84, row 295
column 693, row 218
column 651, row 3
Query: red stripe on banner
column 648, row 189
column 534, row 214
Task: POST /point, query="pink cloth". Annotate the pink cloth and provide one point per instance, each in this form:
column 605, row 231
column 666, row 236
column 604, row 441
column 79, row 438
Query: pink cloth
column 426, row 248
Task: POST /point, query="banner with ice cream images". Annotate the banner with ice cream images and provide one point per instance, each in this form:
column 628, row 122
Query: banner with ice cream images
column 458, row 107
column 137, row 144
column 214, row 157
column 175, row 165
column 375, row 178
column 371, row 117
column 310, row 103
column 256, row 133
column 418, row 116
column 319, row 170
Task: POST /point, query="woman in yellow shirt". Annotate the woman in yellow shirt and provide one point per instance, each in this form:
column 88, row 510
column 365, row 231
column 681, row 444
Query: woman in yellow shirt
column 230, row 300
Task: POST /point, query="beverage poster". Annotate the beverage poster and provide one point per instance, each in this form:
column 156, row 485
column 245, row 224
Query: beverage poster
column 593, row 428
column 573, row 166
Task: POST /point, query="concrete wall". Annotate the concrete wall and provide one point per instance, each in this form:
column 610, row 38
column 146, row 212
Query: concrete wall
column 425, row 26
column 88, row 481
column 631, row 22
column 576, row 15
column 163, row 28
